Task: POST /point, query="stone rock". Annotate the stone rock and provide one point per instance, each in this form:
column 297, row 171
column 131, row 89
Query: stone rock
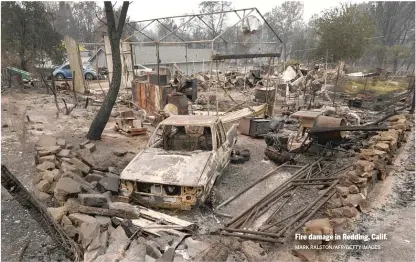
column 119, row 152
column 82, row 144
column 353, row 200
column 52, row 187
column 100, row 241
column 357, row 180
column 88, row 232
column 61, row 143
column 85, row 169
column 253, row 251
column 67, row 167
column 110, row 183
column 66, row 188
column 382, row 146
column 117, row 240
column 149, row 259
column 342, row 191
column 103, row 221
column 50, row 175
column 164, row 241
column 91, row 147
column 38, row 177
column 46, row 141
column 334, row 202
column 90, row 256
column 44, row 151
column 86, row 156
column 48, row 158
column 136, row 253
column 396, row 118
column 47, row 165
column 93, row 200
column 65, row 221
column 123, row 206
column 108, row 257
column 153, row 251
column 69, row 146
column 353, row 189
column 286, row 257
column 364, row 166
column 322, row 225
column 57, row 212
column 93, row 177
column 78, row 218
column 70, row 230
column 305, row 254
column 64, row 153
column 340, row 212
column 113, row 170
column 42, row 196
column 43, row 186
column 339, row 225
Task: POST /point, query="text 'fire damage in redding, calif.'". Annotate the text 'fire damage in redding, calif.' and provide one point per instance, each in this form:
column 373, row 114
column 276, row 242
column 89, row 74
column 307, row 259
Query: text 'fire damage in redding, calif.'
column 207, row 131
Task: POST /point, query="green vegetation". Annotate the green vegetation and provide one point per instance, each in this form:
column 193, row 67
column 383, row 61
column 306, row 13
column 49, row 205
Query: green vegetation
column 380, row 87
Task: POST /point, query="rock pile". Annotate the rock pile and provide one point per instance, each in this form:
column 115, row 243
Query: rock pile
column 84, row 206
column 354, row 185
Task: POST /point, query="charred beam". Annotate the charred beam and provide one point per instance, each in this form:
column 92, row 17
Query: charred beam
column 243, row 56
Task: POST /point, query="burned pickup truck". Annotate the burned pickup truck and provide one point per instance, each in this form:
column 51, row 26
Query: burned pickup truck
column 180, row 164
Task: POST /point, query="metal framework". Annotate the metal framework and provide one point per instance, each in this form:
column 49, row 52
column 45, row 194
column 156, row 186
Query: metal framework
column 242, row 14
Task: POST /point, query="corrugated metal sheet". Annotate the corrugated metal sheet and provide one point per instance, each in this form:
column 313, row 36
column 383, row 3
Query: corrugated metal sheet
column 170, row 54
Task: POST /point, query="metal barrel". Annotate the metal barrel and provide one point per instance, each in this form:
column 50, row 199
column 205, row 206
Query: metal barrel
column 326, row 121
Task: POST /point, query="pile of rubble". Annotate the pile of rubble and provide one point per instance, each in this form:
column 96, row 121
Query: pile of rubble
column 370, row 168
column 87, row 209
column 354, row 185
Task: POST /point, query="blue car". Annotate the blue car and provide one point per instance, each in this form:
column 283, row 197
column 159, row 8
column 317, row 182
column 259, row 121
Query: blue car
column 65, row 72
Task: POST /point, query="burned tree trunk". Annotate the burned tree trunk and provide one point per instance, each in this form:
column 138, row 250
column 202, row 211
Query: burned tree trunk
column 45, row 220
column 114, row 32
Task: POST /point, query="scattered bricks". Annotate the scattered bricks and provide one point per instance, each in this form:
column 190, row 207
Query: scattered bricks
column 88, row 232
column 109, row 183
column 113, row 170
column 340, row 212
column 86, row 157
column 93, row 177
column 364, row 166
column 99, row 242
column 322, row 224
column 368, row 174
column 398, row 126
column 77, row 219
column 51, row 176
column 91, row 147
column 52, row 188
column 103, row 221
column 353, row 200
column 66, row 167
column 38, row 177
column 364, row 191
column 66, row 188
column 82, row 144
column 65, row 221
column 93, row 200
column 356, row 179
column 353, row 189
column 342, row 191
column 334, row 202
column 339, row 225
column 43, row 186
column 44, row 151
column 61, row 142
column 128, row 208
column 49, row 158
column 80, row 165
column 119, row 152
column 118, row 239
column 69, row 146
column 396, row 118
column 344, row 181
column 64, row 153
column 46, row 141
column 382, row 146
column 57, row 212
column 42, row 196
column 364, row 206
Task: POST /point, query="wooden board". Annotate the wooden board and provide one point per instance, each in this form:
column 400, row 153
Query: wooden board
column 74, row 58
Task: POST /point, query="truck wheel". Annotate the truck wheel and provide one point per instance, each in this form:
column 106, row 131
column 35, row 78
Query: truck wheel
column 60, row 76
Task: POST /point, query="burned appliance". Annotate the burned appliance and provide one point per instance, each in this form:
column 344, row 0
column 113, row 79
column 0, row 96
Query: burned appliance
column 254, row 126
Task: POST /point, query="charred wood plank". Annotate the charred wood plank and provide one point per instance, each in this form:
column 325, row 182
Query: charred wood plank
column 316, row 130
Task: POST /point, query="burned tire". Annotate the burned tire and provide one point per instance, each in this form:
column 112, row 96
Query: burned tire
column 237, row 159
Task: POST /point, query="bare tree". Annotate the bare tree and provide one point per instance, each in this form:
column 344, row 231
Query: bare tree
column 114, row 33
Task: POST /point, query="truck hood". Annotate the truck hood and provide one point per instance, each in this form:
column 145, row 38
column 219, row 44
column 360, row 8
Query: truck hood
column 157, row 166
